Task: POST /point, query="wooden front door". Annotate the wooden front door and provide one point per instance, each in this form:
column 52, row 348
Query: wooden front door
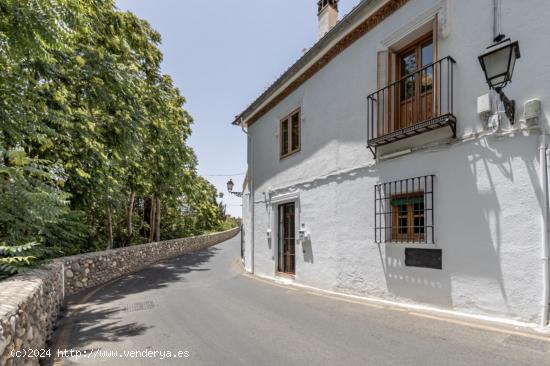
column 415, row 89
column 287, row 239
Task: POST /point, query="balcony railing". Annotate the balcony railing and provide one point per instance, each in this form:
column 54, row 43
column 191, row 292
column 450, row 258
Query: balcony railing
column 417, row 103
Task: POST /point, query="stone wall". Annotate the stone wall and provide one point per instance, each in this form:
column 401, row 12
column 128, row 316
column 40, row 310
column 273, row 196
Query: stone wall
column 29, row 303
column 89, row 270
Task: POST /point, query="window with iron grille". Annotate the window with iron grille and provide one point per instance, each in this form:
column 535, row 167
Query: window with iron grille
column 403, row 211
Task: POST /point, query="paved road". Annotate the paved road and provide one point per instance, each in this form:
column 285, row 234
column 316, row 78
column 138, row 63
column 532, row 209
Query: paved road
column 202, row 304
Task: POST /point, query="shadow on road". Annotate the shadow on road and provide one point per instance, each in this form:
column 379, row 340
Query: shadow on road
column 156, row 276
column 102, row 325
column 90, row 320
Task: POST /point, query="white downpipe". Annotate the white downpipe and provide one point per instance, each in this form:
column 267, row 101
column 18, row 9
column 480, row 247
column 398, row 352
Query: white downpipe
column 497, row 19
column 252, row 207
column 250, row 161
column 544, row 152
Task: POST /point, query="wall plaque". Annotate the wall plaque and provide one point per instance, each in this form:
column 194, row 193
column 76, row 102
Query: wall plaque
column 426, row 258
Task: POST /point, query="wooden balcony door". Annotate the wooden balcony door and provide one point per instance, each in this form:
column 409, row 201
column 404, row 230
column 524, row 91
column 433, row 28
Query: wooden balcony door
column 287, row 239
column 416, row 83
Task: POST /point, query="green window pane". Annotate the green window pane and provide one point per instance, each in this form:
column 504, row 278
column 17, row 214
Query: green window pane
column 408, row 201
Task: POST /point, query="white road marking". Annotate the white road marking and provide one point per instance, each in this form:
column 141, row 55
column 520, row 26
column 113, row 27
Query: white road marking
column 272, row 283
column 347, row 300
column 483, row 327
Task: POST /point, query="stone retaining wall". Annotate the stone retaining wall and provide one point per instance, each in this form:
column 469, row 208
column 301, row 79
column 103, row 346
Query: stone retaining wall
column 89, row 270
column 29, row 303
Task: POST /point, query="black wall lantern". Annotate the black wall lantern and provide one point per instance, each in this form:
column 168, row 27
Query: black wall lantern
column 230, row 186
column 498, row 65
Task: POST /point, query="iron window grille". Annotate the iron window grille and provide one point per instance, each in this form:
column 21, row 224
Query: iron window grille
column 404, row 211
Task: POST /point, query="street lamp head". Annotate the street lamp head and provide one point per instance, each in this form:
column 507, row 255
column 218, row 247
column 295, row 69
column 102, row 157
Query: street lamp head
column 230, row 185
column 498, row 63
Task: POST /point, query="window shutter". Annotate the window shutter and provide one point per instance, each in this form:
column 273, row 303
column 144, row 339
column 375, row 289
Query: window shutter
column 383, row 99
column 382, row 69
column 392, row 61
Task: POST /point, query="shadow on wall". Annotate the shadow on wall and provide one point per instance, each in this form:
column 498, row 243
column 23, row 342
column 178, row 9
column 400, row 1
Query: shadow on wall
column 320, row 182
column 418, row 284
column 468, row 224
column 472, row 220
column 96, row 320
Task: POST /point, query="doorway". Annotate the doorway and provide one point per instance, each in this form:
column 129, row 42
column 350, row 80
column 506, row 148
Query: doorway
column 286, row 263
column 415, row 72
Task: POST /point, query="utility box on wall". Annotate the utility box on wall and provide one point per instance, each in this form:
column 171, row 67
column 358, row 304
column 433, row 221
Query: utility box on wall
column 531, row 109
column 484, row 105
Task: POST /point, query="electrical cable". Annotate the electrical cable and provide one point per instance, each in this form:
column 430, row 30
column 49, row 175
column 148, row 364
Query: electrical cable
column 223, row 175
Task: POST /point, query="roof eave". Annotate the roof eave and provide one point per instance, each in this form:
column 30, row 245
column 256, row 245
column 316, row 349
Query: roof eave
column 336, row 34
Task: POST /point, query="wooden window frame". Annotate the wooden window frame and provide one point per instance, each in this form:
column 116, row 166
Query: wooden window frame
column 386, row 223
column 415, row 46
column 393, row 73
column 284, row 235
column 288, row 137
column 410, row 235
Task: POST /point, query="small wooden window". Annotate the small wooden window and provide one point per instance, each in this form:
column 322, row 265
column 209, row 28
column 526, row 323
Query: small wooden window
column 408, row 217
column 290, row 134
column 404, row 211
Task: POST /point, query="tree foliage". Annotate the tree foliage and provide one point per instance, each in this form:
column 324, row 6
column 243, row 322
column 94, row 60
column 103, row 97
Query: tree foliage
column 13, row 258
column 93, row 148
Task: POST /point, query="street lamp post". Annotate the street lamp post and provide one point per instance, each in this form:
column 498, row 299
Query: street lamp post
column 498, row 65
column 230, row 186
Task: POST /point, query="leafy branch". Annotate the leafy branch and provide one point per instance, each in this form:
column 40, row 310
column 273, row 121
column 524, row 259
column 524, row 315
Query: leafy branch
column 14, row 258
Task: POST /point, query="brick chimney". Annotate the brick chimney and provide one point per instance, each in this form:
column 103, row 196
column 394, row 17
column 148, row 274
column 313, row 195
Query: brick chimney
column 328, row 15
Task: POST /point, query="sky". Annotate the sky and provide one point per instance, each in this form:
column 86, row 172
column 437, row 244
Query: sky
column 222, row 55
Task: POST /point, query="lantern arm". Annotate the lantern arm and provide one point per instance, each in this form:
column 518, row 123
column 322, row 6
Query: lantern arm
column 509, row 105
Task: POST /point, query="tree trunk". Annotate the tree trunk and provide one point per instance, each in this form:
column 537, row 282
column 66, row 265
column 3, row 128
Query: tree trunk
column 152, row 216
column 142, row 229
column 130, row 218
column 109, row 227
column 157, row 220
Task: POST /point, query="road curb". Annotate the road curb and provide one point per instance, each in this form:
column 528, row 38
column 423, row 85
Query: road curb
column 492, row 324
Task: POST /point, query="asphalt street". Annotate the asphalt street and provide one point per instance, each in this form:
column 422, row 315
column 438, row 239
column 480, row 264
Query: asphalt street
column 201, row 309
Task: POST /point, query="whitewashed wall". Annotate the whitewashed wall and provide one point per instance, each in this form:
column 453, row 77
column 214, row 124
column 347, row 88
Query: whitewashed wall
column 247, row 230
column 487, row 195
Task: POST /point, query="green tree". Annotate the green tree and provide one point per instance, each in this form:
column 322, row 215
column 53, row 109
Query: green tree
column 93, row 150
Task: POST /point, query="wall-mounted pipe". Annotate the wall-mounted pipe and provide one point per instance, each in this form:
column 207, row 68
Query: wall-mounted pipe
column 544, row 158
column 497, row 21
column 250, row 163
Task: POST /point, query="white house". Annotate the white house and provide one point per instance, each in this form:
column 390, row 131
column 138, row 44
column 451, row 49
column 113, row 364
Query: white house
column 382, row 164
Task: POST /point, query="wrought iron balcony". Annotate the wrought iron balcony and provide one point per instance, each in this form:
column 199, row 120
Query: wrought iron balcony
column 419, row 102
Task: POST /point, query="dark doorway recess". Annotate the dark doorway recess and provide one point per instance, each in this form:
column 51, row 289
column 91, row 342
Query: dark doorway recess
column 287, row 239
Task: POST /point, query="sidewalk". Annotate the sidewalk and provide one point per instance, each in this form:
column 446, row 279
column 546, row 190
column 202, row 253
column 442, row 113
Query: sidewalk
column 486, row 323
